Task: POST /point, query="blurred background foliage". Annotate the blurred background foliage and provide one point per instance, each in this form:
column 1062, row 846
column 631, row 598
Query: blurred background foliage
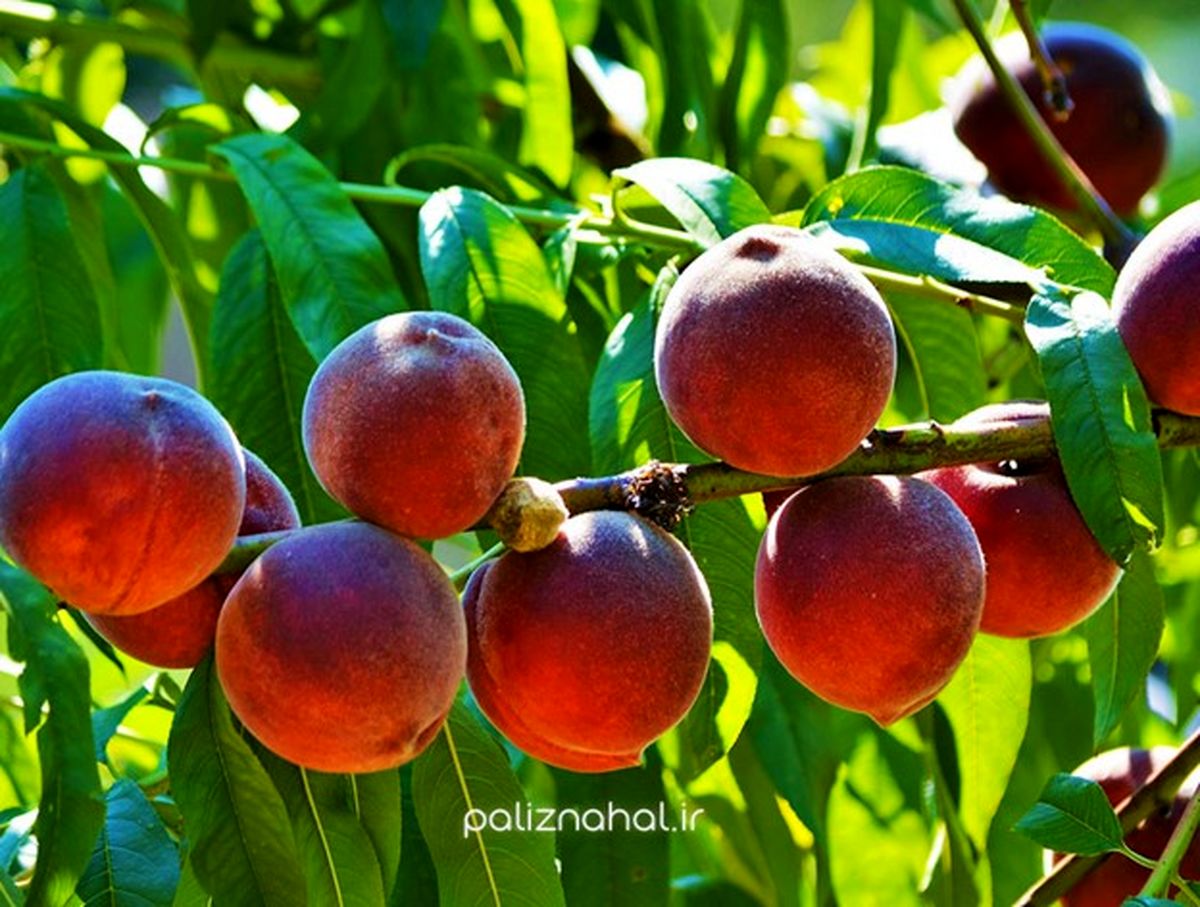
column 811, row 804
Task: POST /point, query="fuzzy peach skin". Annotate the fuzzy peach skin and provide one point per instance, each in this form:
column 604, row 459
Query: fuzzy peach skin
column 1118, row 132
column 585, row 652
column 1121, row 772
column 869, row 591
column 1158, row 310
column 1045, row 570
column 415, row 422
column 179, row 633
column 773, row 353
column 342, row 647
column 117, row 491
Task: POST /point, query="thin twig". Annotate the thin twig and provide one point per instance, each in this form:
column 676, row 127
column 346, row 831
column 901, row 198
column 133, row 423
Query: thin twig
column 1118, row 239
column 1158, row 792
column 1054, row 83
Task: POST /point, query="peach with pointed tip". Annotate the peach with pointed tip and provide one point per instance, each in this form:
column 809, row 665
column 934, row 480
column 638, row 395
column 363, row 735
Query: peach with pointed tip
column 179, row 633
column 1045, row 570
column 118, row 491
column 415, row 422
column 869, row 591
column 342, row 647
column 774, row 353
column 585, row 652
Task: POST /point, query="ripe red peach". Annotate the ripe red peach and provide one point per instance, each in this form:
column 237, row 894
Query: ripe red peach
column 774, row 353
column 341, row 648
column 1045, row 570
column 1121, row 772
column 869, row 591
column 117, row 491
column 180, row 633
column 1156, row 308
column 1118, row 131
column 415, row 422
column 585, row 652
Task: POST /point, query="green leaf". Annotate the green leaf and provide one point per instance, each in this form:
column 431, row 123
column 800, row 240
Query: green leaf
column 412, row 24
column 757, row 72
column 71, row 810
column 987, row 704
column 378, row 797
column 49, row 314
column 878, row 838
column 627, row 864
column 945, row 352
column 463, row 776
column 1123, row 638
column 334, row 275
column 337, row 855
column 1101, row 420
column 106, row 721
column 708, row 201
column 629, row 425
column 208, row 18
column 190, row 893
column 140, row 302
column 164, row 229
column 241, row 843
column 351, row 88
column 801, row 741
column 260, row 373
column 478, row 169
column 1073, row 815
column 1150, row 902
column 903, row 197
column 482, row 265
column 887, row 27
column 547, row 139
column 685, row 47
column 135, row 861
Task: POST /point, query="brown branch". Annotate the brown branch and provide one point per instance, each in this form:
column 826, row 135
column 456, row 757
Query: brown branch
column 665, row 492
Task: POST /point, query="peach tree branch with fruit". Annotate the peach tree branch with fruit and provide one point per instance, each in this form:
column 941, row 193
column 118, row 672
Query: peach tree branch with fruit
column 713, row 562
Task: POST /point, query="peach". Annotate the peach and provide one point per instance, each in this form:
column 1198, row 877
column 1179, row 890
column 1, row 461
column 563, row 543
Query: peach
column 1155, row 305
column 341, row 648
column 117, row 491
column 1118, row 131
column 774, row 353
column 1121, row 772
column 415, row 422
column 585, row 652
column 1045, row 570
column 179, row 634
column 869, row 591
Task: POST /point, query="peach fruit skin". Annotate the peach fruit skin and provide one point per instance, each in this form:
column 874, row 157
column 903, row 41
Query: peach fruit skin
column 117, row 491
column 1158, row 312
column 1118, row 132
column 1120, row 772
column 415, row 422
column 180, row 633
column 774, row 353
column 1045, row 570
column 341, row 648
column 585, row 652
column 869, row 591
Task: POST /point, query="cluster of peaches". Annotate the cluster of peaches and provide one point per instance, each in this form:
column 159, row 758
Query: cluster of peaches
column 342, row 646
